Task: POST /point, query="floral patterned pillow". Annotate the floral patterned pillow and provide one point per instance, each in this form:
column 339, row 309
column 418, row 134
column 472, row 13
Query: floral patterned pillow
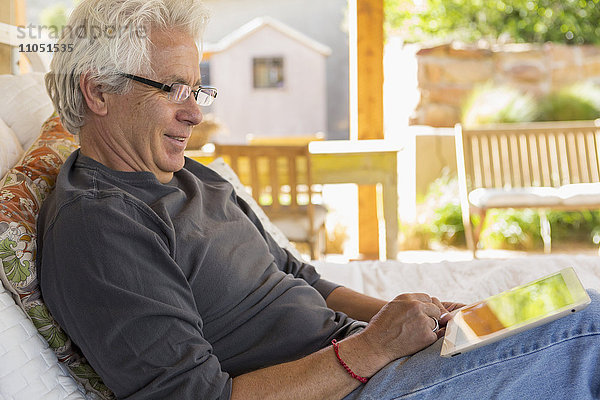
column 21, row 194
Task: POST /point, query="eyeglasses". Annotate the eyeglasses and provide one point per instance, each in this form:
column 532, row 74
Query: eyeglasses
column 179, row 92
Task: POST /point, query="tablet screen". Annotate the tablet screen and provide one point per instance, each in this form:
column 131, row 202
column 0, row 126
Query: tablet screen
column 516, row 307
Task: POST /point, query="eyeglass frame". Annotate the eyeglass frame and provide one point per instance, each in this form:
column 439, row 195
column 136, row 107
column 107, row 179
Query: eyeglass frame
column 168, row 88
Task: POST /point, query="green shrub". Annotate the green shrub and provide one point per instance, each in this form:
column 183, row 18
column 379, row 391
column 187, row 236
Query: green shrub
column 511, row 229
column 501, row 104
column 441, row 211
column 520, row 229
column 581, row 226
column 447, row 226
column 488, row 104
column 577, row 102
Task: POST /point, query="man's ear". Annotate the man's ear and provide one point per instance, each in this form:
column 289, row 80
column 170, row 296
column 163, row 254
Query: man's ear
column 95, row 98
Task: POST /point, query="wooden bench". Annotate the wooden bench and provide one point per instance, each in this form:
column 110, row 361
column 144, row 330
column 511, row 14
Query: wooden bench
column 545, row 165
column 280, row 181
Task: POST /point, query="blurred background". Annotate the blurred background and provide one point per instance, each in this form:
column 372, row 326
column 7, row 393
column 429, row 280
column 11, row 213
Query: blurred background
column 444, row 62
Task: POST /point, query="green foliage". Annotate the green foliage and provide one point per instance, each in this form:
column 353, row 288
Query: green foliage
column 520, row 229
column 578, row 226
column 447, row 226
column 499, row 104
column 511, row 229
column 54, row 16
column 564, row 21
column 577, row 102
column 489, row 104
column 442, row 206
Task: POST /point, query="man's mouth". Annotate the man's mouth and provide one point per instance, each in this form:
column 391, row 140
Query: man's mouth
column 178, row 138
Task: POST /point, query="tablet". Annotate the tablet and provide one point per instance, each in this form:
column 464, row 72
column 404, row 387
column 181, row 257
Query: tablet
column 513, row 311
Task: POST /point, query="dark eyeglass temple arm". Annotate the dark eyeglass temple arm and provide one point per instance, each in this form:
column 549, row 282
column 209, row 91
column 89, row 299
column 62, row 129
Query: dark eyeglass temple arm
column 149, row 82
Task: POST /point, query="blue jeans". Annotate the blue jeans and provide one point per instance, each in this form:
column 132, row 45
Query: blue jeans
column 559, row 360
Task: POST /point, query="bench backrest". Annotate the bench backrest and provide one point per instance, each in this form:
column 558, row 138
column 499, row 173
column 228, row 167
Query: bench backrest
column 276, row 175
column 547, row 154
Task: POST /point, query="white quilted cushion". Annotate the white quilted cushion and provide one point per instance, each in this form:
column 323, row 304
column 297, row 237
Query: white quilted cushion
column 29, row 369
column 221, row 168
column 24, row 105
column 10, row 148
column 580, row 194
column 521, row 197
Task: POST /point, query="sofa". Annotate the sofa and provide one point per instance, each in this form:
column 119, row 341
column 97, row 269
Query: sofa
column 38, row 360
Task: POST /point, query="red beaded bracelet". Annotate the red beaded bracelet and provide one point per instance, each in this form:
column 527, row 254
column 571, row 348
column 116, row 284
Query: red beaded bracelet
column 343, row 364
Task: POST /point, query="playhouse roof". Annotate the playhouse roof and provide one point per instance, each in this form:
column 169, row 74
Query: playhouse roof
column 258, row 23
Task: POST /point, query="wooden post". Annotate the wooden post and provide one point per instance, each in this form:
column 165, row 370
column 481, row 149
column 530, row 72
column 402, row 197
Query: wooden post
column 6, row 16
column 20, row 12
column 11, row 12
column 370, row 68
column 21, row 19
column 367, row 76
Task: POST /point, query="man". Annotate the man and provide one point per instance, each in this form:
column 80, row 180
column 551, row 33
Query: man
column 170, row 285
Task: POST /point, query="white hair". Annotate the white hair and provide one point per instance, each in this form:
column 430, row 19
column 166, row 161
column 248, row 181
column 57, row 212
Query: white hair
column 104, row 38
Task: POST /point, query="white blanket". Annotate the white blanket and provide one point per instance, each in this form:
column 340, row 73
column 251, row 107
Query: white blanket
column 465, row 281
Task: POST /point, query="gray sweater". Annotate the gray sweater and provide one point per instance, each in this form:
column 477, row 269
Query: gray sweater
column 171, row 289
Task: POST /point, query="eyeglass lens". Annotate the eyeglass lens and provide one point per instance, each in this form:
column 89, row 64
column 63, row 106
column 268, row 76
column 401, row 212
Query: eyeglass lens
column 206, row 96
column 180, row 92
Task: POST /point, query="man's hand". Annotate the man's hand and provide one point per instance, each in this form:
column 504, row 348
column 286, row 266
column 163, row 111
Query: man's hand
column 446, row 307
column 403, row 326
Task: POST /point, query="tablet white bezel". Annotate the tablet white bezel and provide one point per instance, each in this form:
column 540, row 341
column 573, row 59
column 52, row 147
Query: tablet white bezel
column 580, row 301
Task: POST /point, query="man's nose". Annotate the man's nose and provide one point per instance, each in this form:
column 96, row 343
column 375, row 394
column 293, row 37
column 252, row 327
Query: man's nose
column 190, row 112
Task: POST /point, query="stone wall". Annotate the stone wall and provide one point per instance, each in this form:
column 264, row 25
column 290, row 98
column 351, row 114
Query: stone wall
column 447, row 73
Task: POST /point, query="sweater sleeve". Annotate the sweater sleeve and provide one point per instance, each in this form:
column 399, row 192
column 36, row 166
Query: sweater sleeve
column 108, row 277
column 285, row 261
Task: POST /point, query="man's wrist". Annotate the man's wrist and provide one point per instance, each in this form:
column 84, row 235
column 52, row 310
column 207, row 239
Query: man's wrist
column 360, row 357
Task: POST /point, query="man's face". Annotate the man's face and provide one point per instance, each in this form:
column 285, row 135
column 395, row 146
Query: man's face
column 150, row 131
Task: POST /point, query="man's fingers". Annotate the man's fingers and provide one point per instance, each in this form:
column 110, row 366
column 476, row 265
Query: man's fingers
column 432, row 310
column 435, row 325
column 444, row 318
column 438, row 303
column 424, row 297
column 451, row 306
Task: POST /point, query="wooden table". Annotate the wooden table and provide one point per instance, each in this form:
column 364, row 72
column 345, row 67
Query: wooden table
column 364, row 162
